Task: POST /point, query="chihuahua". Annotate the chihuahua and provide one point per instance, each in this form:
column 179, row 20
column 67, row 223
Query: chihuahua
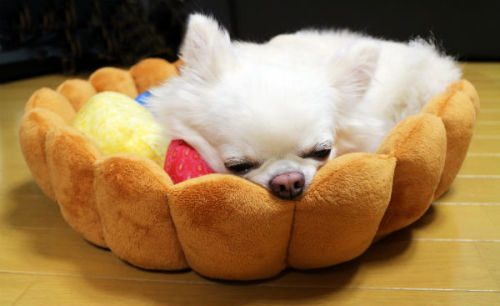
column 274, row 113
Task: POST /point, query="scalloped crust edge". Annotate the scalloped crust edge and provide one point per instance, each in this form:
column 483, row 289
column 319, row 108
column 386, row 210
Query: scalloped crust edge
column 44, row 133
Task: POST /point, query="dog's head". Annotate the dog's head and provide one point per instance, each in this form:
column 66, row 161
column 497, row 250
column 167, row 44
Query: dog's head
column 253, row 113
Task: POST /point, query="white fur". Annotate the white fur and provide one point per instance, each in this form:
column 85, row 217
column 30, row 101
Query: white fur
column 270, row 103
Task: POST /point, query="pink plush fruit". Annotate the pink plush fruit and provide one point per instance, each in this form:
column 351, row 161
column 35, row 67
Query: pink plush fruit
column 182, row 162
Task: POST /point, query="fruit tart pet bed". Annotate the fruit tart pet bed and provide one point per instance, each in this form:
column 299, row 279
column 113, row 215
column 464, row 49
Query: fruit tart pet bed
column 223, row 226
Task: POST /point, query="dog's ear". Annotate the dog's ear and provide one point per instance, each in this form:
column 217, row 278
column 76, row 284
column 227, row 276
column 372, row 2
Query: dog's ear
column 351, row 69
column 206, row 49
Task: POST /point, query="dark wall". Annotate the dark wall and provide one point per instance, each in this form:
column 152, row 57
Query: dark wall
column 39, row 37
column 467, row 29
column 73, row 35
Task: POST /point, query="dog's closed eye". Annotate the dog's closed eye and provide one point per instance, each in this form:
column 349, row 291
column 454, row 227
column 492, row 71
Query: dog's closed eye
column 320, row 151
column 240, row 166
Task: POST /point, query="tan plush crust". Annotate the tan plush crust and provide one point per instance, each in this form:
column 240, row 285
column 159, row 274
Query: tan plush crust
column 230, row 228
column 113, row 79
column 70, row 159
column 76, row 91
column 419, row 145
column 468, row 89
column 152, row 72
column 53, row 101
column 458, row 114
column 34, row 127
column 226, row 227
column 338, row 217
column 131, row 194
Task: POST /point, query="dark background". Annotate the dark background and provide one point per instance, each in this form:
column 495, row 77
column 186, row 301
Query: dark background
column 69, row 36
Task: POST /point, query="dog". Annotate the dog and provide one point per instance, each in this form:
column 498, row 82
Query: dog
column 274, row 113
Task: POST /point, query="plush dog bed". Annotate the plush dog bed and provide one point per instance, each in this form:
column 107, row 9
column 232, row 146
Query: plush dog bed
column 223, row 226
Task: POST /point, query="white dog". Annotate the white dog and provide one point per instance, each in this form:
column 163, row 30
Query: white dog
column 274, row 113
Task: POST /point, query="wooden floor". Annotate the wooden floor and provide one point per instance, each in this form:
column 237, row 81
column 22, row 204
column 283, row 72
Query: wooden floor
column 450, row 257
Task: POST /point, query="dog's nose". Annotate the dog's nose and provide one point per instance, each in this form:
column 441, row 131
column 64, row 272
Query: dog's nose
column 287, row 185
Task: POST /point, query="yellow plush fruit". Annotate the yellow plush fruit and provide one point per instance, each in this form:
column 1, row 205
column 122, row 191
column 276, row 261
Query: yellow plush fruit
column 117, row 124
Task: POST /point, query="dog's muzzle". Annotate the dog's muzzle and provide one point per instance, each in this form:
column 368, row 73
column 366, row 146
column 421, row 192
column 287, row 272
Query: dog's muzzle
column 287, row 185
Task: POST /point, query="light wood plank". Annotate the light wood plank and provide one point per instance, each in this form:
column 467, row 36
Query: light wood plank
column 50, row 290
column 487, row 128
column 484, row 145
column 12, row 286
column 488, row 165
column 19, row 210
column 461, row 222
column 490, row 254
column 392, row 263
column 480, row 190
column 489, row 114
column 59, row 251
column 400, row 263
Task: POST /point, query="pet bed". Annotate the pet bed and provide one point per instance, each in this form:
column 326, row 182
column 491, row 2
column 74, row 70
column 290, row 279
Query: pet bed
column 223, row 226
